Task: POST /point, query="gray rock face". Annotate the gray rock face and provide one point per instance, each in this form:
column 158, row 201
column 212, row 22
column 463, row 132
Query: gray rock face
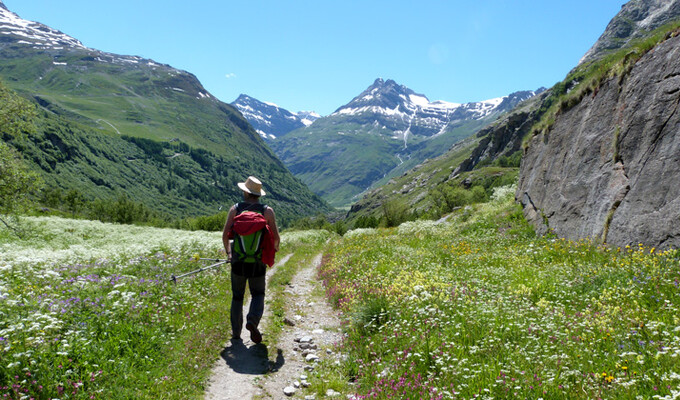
column 636, row 18
column 505, row 136
column 610, row 167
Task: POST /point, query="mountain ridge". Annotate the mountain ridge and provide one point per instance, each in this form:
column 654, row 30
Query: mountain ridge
column 380, row 133
column 121, row 96
column 270, row 120
column 635, row 20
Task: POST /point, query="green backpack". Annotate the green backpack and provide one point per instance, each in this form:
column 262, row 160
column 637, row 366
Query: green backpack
column 248, row 248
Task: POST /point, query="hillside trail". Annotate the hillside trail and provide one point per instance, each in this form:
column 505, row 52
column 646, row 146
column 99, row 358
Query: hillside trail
column 246, row 370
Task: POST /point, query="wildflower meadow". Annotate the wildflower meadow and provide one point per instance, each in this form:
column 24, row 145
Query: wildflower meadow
column 88, row 310
column 478, row 307
column 473, row 306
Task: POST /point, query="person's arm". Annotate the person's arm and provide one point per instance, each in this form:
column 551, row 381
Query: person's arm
column 227, row 229
column 271, row 221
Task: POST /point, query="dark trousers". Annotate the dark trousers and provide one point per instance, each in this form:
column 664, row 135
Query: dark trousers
column 256, row 284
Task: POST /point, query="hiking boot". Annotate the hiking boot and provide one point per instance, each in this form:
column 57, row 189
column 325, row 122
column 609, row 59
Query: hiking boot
column 255, row 334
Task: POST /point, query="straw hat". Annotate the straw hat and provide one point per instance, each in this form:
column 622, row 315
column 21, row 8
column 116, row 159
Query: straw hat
column 252, row 185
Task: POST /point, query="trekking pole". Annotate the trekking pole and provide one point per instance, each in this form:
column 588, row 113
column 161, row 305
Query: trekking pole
column 220, row 262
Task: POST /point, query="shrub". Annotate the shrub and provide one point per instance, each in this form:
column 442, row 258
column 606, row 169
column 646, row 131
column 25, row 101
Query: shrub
column 456, row 197
column 394, row 213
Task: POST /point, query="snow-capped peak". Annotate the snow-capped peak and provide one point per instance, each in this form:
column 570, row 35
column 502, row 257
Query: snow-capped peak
column 389, row 98
column 271, row 104
column 270, row 120
column 34, row 33
column 307, row 117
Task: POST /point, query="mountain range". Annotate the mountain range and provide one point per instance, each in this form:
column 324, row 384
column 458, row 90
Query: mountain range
column 598, row 150
column 129, row 125
column 384, row 131
column 270, row 120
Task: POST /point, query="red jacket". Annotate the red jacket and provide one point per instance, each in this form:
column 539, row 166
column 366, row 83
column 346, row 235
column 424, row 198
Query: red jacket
column 249, row 222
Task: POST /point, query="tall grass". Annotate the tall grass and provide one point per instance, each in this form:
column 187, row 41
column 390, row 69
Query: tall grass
column 480, row 307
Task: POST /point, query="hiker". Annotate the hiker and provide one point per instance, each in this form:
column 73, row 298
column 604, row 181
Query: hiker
column 252, row 226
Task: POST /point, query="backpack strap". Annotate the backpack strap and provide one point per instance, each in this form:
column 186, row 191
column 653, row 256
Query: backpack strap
column 255, row 207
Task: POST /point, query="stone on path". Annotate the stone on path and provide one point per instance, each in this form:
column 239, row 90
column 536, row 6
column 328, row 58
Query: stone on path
column 306, row 339
column 289, row 390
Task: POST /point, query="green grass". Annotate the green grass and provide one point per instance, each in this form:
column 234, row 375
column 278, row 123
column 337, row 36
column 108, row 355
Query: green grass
column 303, row 246
column 88, row 309
column 480, row 307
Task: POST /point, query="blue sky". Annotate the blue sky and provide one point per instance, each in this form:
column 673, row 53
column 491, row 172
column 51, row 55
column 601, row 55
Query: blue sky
column 317, row 55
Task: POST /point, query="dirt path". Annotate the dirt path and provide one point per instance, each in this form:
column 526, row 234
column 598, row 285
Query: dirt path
column 245, row 369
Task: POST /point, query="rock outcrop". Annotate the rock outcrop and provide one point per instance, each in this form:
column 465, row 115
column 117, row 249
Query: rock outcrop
column 635, row 20
column 504, row 137
column 609, row 169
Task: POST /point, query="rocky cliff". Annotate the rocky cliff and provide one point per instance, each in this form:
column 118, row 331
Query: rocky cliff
column 504, row 137
column 609, row 167
column 635, row 20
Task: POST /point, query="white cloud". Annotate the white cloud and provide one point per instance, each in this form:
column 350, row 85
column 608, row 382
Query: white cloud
column 230, row 75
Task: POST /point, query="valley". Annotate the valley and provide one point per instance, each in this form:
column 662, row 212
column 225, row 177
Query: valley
column 526, row 246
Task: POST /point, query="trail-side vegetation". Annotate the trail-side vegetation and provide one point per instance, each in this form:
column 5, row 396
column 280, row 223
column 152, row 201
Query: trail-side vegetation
column 478, row 307
column 88, row 310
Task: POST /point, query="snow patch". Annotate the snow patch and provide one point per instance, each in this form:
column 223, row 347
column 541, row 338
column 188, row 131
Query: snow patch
column 420, row 101
column 12, row 24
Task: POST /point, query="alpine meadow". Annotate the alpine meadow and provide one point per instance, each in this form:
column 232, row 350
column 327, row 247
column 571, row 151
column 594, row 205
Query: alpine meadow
column 521, row 247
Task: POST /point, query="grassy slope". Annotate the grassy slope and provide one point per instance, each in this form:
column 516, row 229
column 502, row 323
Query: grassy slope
column 411, row 188
column 89, row 104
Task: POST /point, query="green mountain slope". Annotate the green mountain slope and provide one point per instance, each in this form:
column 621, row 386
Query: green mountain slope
column 191, row 149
